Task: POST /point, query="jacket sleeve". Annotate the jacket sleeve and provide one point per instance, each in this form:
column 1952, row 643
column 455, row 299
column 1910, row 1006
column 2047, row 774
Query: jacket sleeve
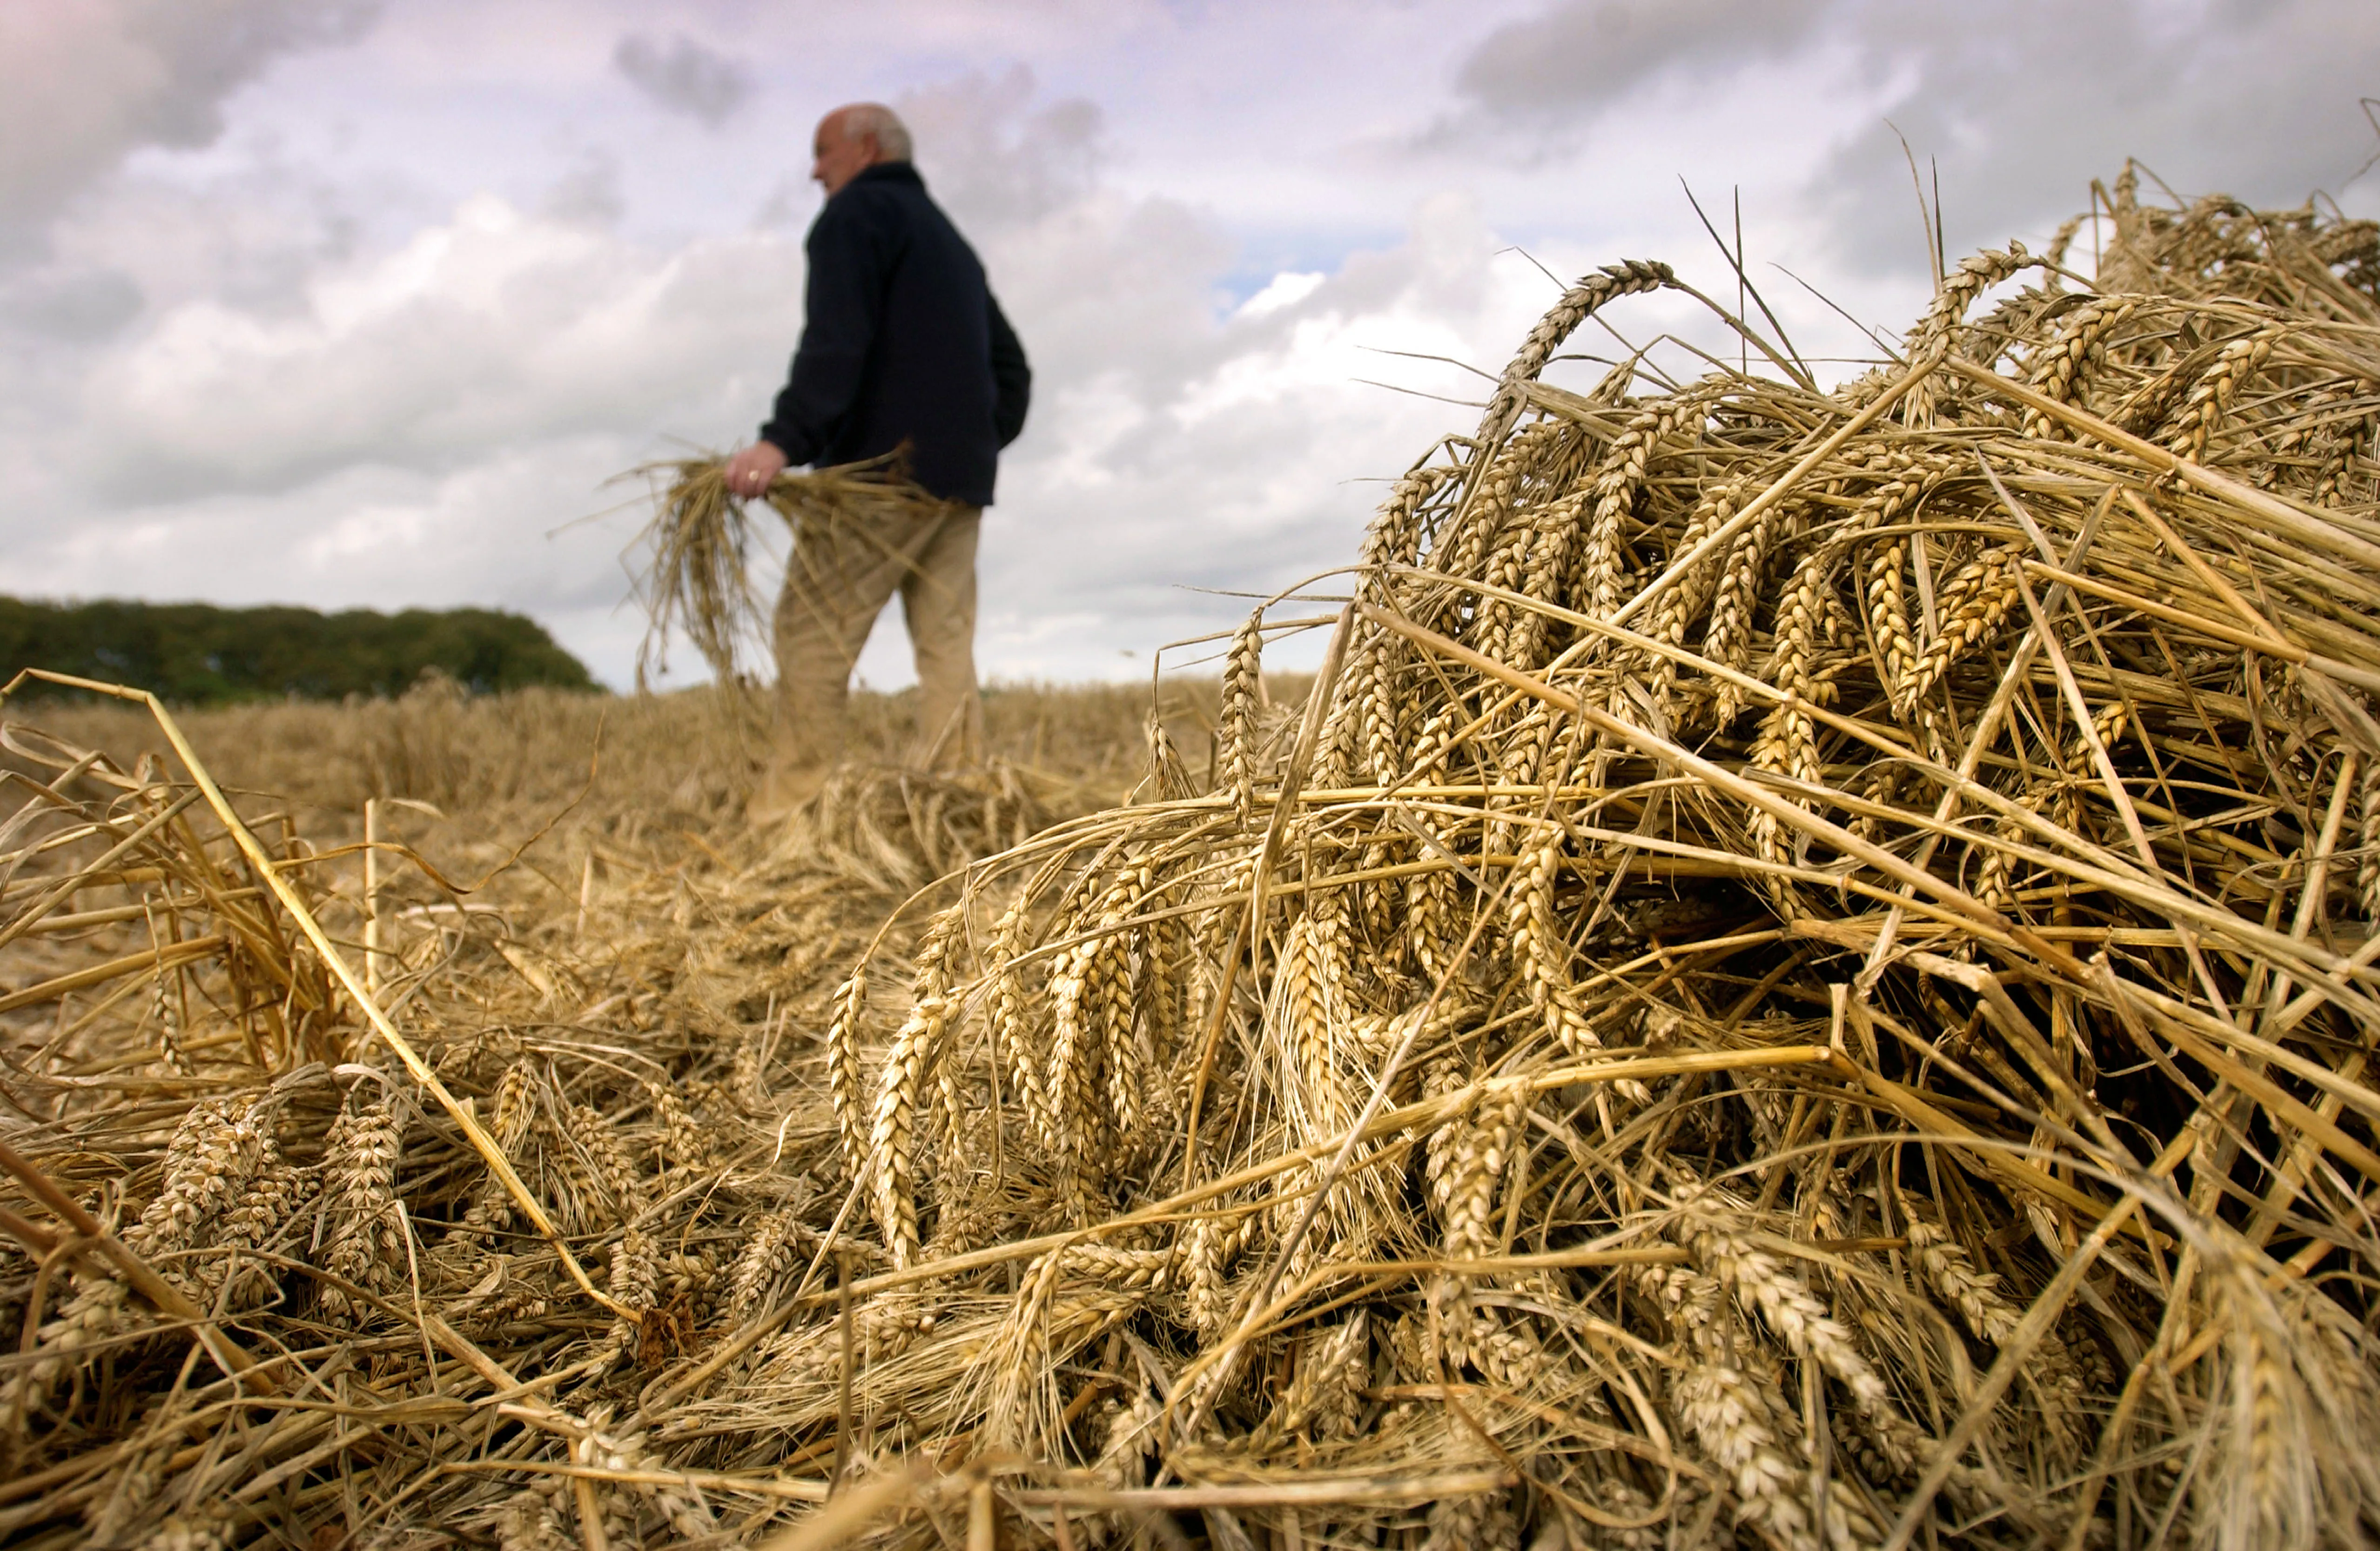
column 1012, row 378
column 849, row 266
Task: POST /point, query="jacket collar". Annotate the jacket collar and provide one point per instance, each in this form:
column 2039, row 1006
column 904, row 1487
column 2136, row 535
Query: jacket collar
column 889, row 172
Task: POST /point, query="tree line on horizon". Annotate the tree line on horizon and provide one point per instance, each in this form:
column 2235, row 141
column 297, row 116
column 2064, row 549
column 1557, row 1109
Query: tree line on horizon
column 199, row 654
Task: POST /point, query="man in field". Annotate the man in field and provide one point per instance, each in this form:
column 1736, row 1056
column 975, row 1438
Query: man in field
column 903, row 349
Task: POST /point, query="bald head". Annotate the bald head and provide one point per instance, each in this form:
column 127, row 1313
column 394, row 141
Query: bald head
column 852, row 138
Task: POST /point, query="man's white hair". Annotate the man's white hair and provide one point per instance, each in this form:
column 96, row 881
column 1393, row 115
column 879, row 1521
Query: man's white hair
column 865, row 119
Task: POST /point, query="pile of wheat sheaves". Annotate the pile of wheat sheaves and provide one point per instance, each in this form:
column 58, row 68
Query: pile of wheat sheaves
column 1804, row 977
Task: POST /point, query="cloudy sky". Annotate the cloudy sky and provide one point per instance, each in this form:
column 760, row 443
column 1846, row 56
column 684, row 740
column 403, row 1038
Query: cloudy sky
column 361, row 304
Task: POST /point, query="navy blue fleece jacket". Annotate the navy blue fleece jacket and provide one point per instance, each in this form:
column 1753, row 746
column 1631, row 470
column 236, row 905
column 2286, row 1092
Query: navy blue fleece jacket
column 903, row 344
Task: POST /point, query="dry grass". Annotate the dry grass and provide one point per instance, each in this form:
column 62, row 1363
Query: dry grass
column 1804, row 978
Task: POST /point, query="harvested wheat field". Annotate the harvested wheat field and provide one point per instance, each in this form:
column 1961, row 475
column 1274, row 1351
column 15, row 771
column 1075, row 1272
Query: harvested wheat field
column 1803, row 975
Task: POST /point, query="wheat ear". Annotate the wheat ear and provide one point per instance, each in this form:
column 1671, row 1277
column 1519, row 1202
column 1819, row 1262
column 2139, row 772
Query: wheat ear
column 360, row 1190
column 1577, row 304
column 843, row 1068
column 892, row 1161
column 1235, row 722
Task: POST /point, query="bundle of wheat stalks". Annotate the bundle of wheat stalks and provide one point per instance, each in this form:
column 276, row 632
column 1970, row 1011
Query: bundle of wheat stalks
column 695, row 557
column 1804, row 977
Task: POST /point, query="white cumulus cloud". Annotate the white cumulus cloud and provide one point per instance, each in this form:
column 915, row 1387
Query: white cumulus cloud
column 85, row 82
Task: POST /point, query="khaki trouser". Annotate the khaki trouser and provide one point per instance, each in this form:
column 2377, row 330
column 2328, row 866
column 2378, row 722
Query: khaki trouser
column 838, row 581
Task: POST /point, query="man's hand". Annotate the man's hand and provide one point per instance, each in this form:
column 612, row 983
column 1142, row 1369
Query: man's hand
column 749, row 471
